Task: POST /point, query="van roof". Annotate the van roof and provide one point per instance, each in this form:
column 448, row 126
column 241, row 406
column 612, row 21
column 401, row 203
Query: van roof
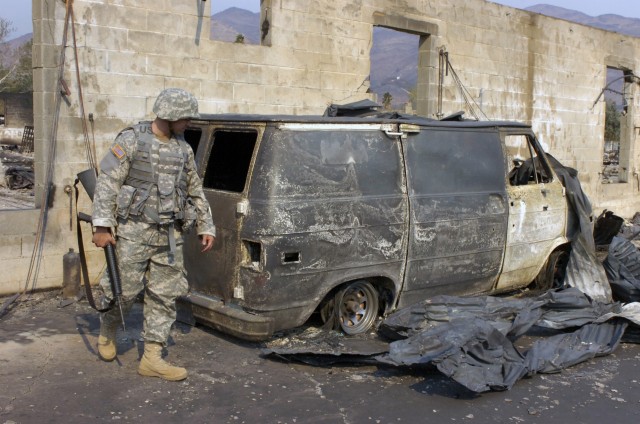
column 385, row 118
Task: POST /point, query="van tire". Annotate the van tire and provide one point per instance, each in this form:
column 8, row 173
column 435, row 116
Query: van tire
column 552, row 274
column 354, row 308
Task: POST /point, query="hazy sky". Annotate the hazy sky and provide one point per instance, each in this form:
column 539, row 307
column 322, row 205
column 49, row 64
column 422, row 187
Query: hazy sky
column 628, row 8
column 19, row 11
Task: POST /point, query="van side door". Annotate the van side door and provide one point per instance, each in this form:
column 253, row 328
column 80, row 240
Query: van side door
column 227, row 158
column 458, row 211
column 537, row 209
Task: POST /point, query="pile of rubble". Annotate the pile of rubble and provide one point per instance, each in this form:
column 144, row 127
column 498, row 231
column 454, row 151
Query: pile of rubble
column 16, row 179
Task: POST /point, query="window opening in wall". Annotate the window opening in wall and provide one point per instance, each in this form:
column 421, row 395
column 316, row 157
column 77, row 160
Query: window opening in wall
column 229, row 160
column 236, row 21
column 17, row 174
column 394, row 69
column 615, row 156
column 16, row 152
column 523, row 162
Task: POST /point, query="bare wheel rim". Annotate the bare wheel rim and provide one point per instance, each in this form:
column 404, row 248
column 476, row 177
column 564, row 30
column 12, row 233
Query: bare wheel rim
column 357, row 307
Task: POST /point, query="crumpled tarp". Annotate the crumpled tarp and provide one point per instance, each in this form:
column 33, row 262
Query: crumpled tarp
column 623, row 269
column 472, row 340
column 556, row 309
column 584, row 271
column 607, row 226
column 361, row 108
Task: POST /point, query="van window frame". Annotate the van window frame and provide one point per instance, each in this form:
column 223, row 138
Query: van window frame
column 257, row 127
column 533, row 144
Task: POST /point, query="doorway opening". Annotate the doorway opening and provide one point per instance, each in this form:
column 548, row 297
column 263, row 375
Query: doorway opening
column 394, row 69
column 615, row 155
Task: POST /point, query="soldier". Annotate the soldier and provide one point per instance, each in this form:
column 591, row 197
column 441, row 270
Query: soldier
column 147, row 195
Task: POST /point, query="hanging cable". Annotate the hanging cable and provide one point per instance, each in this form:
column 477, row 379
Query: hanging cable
column 628, row 77
column 442, row 58
column 36, row 256
column 83, row 117
column 445, row 68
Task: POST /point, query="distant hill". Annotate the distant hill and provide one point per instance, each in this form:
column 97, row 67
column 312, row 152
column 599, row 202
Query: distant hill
column 226, row 25
column 394, row 64
column 10, row 48
column 615, row 23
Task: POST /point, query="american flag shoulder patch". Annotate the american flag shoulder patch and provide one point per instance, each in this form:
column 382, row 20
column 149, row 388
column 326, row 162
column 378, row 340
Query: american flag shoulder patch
column 118, row 151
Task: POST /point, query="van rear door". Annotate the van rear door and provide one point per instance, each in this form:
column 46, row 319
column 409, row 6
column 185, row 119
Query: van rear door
column 227, row 158
column 458, row 211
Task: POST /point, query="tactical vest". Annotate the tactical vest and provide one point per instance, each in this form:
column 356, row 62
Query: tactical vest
column 157, row 180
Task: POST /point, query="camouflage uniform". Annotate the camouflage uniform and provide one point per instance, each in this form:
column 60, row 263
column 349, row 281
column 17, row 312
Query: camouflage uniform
column 144, row 245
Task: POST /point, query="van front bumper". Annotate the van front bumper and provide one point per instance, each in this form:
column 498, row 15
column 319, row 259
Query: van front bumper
column 230, row 320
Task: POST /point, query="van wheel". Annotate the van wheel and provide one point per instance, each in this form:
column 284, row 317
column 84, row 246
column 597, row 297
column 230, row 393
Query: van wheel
column 553, row 272
column 354, row 308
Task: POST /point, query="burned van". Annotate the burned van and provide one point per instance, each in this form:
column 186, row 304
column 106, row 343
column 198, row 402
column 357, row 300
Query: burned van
column 355, row 217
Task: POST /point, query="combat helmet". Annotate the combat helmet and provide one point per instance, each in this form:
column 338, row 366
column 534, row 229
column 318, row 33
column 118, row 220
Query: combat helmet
column 174, row 104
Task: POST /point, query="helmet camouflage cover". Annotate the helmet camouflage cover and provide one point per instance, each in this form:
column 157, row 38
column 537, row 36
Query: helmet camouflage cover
column 174, row 104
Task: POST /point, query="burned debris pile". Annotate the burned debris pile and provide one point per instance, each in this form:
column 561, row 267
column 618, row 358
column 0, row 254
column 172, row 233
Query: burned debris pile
column 16, row 179
column 17, row 170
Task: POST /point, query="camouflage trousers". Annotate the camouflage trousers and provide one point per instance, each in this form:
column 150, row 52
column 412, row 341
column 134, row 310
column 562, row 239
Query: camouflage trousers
column 164, row 282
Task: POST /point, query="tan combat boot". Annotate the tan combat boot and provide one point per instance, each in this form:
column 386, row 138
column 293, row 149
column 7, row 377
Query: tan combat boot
column 152, row 364
column 107, row 342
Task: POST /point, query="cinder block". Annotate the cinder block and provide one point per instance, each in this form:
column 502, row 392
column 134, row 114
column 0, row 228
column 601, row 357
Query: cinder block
column 147, row 42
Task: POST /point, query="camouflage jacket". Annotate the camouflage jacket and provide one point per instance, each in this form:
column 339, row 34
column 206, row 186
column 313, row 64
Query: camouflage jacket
column 115, row 169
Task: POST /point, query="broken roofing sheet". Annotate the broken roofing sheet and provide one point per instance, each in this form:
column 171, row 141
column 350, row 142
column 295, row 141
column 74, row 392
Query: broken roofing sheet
column 584, row 271
column 472, row 340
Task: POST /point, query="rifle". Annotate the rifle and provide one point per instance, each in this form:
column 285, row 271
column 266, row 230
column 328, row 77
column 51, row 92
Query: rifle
column 88, row 181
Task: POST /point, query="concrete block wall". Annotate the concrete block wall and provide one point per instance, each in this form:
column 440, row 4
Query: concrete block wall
column 518, row 65
column 547, row 72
